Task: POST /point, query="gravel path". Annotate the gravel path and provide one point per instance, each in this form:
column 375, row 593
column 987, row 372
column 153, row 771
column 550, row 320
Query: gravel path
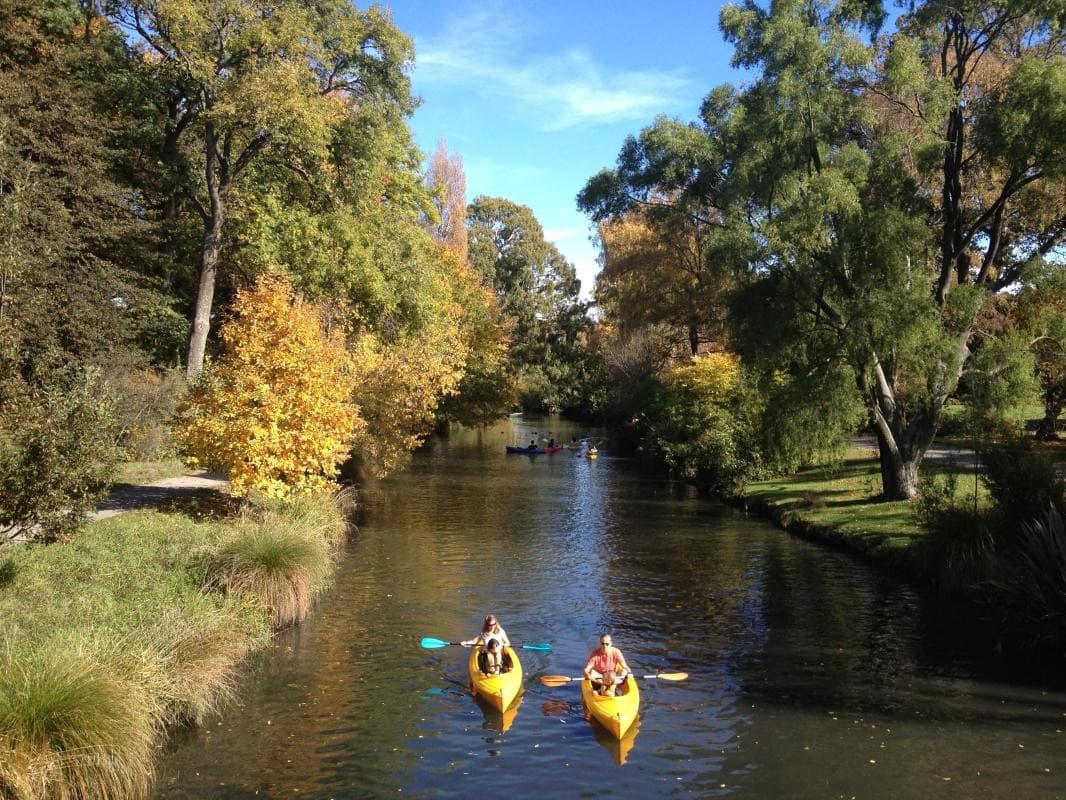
column 150, row 495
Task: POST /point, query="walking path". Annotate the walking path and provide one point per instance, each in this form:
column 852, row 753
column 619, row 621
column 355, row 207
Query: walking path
column 939, row 453
column 130, row 498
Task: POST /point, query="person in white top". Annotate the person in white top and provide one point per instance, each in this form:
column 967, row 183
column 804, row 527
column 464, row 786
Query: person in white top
column 490, row 629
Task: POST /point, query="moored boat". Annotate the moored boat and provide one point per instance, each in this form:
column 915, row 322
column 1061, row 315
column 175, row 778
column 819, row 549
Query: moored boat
column 616, row 714
column 498, row 690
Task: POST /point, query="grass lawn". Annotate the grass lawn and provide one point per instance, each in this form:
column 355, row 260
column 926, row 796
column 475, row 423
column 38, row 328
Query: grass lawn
column 842, row 501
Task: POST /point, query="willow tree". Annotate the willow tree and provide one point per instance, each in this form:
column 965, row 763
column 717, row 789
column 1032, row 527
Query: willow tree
column 872, row 199
column 248, row 81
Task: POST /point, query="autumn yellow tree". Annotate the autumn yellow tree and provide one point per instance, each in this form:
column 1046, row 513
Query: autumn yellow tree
column 275, row 413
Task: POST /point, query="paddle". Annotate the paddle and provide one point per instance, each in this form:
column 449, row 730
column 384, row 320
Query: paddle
column 430, row 643
column 559, row 680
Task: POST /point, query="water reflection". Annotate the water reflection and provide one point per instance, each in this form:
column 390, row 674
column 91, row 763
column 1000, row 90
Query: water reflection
column 810, row 674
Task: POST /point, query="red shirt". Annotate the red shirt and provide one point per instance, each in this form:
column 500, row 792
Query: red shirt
column 604, row 662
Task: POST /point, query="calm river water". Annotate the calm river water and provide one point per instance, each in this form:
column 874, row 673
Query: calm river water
column 812, row 675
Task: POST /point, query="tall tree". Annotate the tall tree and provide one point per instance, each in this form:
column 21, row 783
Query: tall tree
column 538, row 292
column 446, row 182
column 246, row 81
column 871, row 205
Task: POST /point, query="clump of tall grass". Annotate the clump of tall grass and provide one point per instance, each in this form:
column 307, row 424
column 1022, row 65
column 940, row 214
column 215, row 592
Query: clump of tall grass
column 320, row 515
column 1032, row 590
column 275, row 561
column 71, row 729
column 188, row 659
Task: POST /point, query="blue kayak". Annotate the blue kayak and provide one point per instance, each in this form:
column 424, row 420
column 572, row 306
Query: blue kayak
column 525, row 451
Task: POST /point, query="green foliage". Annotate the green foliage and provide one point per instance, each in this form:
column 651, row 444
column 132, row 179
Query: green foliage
column 1032, row 590
column 958, row 550
column 57, row 454
column 700, row 424
column 1020, row 477
column 538, row 295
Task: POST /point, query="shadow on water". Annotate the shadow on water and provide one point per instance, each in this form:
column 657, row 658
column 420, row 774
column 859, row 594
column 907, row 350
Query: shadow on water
column 811, row 674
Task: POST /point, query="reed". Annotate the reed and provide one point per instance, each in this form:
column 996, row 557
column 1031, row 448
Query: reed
column 277, row 563
column 70, row 729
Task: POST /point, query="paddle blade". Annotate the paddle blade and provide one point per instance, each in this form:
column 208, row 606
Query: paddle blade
column 543, row 647
column 556, row 680
column 429, row 643
column 670, row 676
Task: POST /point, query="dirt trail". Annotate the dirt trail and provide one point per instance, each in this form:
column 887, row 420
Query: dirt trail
column 130, row 498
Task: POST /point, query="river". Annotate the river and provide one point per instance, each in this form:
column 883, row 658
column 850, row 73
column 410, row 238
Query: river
column 811, row 673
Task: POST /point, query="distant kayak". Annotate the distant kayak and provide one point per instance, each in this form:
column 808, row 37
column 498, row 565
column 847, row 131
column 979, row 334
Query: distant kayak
column 526, row 451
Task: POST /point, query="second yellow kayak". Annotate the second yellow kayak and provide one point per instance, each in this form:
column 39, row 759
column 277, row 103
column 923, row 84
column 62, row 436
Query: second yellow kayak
column 617, row 713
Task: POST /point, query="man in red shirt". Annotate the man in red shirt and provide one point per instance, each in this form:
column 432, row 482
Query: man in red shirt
column 606, row 665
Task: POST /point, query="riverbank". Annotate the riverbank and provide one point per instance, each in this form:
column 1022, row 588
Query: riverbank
column 839, row 504
column 138, row 625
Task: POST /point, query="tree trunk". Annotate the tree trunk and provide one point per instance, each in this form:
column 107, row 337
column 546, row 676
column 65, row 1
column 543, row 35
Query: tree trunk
column 1046, row 431
column 205, row 296
column 899, row 471
column 213, row 215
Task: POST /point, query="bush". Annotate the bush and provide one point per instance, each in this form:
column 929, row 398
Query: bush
column 1032, row 589
column 71, row 729
column 700, row 426
column 1020, row 477
column 276, row 413
column 57, row 456
column 147, row 402
column 959, row 546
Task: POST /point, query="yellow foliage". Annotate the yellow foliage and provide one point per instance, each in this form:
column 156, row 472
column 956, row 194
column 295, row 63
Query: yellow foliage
column 400, row 385
column 712, row 376
column 276, row 412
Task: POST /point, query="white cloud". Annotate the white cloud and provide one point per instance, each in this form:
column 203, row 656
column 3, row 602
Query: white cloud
column 484, row 53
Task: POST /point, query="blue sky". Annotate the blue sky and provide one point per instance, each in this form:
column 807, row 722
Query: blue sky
column 538, row 96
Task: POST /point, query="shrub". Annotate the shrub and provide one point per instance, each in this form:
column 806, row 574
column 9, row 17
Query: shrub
column 70, row 729
column 277, row 563
column 57, row 456
column 959, row 546
column 700, row 425
column 275, row 414
column 1032, row 590
column 1020, row 477
column 147, row 401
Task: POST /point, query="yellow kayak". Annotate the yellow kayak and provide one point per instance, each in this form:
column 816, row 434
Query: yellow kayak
column 498, row 690
column 617, row 713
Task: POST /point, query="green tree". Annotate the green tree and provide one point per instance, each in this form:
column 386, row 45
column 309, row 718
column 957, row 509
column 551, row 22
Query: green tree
column 249, row 81
column 538, row 292
column 870, row 200
column 1041, row 310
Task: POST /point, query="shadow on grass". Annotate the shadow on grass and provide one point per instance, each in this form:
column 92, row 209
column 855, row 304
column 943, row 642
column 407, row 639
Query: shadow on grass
column 202, row 504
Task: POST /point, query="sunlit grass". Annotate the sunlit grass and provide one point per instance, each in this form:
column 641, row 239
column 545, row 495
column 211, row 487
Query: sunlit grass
column 112, row 637
column 140, row 472
column 69, row 728
column 845, row 498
